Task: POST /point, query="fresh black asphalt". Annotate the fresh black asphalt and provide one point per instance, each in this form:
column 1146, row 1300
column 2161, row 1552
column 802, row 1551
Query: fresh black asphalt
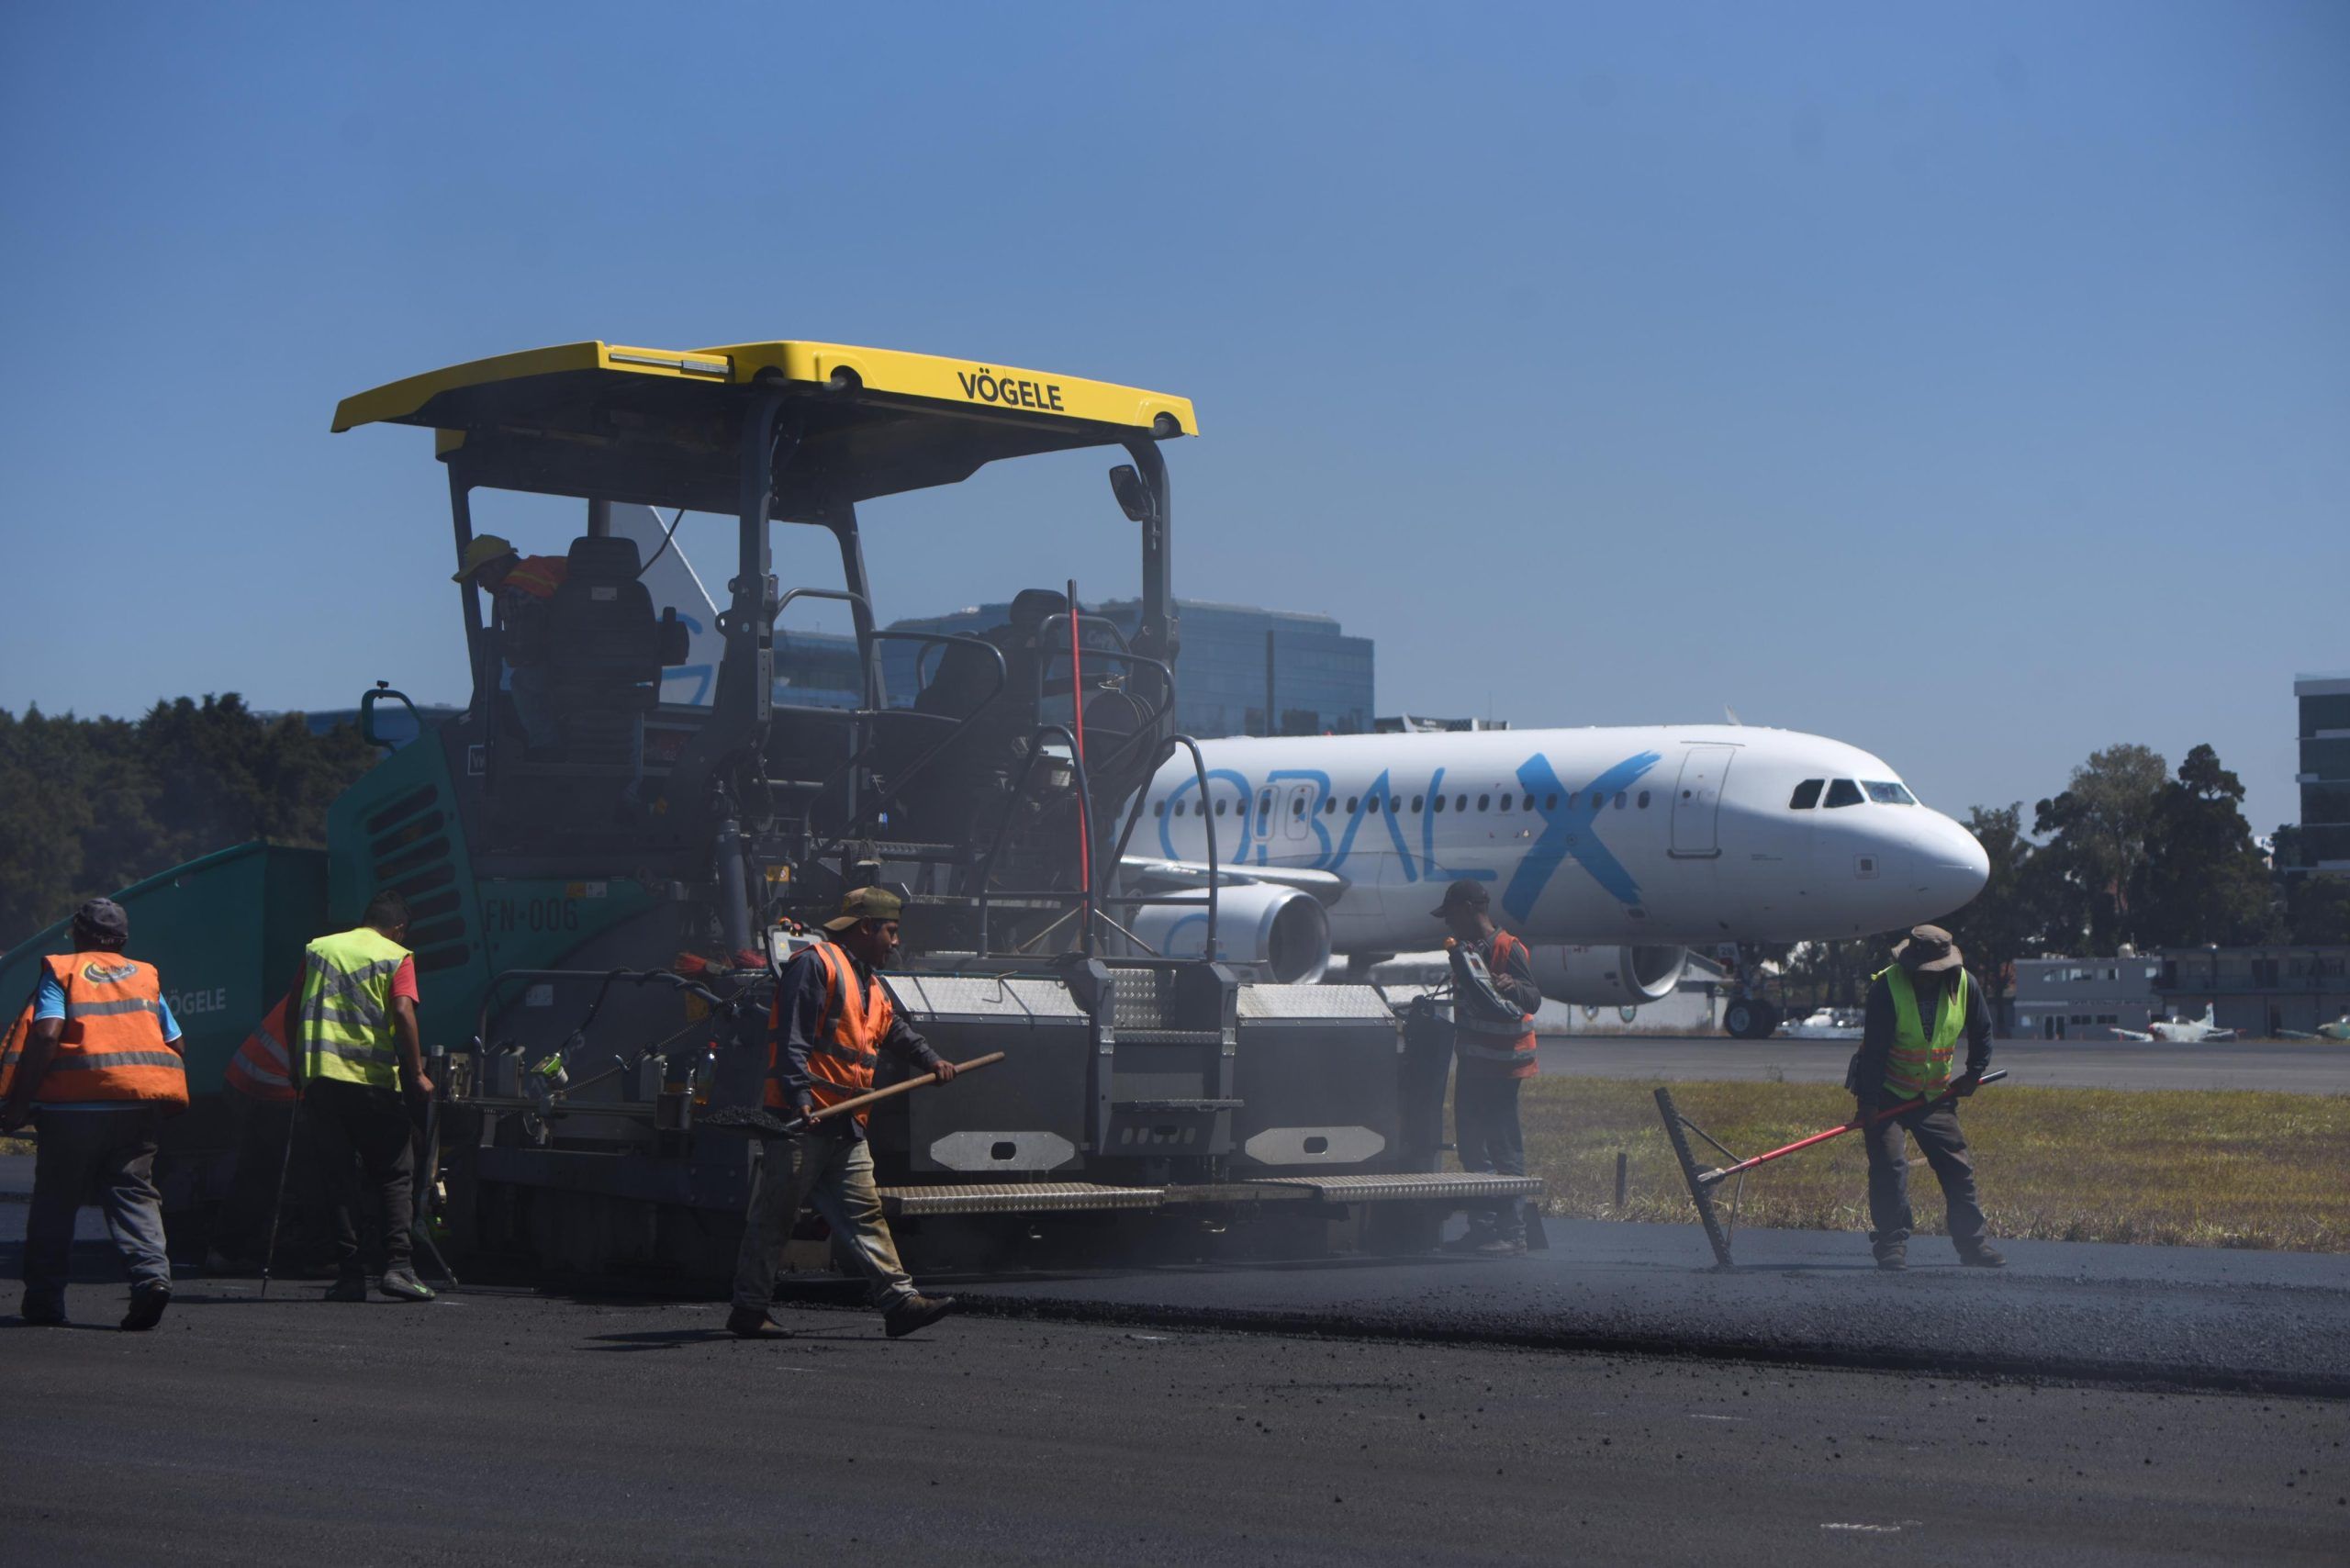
column 500, row 1429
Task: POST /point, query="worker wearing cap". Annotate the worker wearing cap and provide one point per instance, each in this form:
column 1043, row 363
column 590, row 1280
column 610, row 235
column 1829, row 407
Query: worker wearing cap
column 520, row 588
column 1494, row 1049
column 830, row 1025
column 355, row 1045
column 99, row 1070
column 1917, row 1008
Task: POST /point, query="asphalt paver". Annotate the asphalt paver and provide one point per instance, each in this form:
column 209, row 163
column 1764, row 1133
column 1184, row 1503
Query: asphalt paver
column 512, row 1429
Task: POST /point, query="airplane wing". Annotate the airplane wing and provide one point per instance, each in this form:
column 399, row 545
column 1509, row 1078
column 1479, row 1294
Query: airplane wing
column 2121, row 1034
column 1179, row 876
column 2219, row 1036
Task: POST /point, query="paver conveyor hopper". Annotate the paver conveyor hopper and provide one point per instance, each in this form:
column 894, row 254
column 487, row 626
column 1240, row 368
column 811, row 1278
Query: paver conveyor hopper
column 566, row 893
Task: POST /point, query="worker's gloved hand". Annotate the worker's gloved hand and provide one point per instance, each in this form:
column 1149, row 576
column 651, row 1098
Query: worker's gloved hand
column 1967, row 1084
column 945, row 1071
column 1861, row 1111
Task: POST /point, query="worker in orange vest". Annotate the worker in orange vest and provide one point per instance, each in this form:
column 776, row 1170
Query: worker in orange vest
column 99, row 1069
column 1495, row 1054
column 831, row 1021
column 520, row 588
column 260, row 1080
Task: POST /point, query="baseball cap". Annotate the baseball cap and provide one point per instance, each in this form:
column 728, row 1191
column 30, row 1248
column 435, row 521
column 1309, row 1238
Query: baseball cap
column 1463, row 895
column 104, row 917
column 866, row 903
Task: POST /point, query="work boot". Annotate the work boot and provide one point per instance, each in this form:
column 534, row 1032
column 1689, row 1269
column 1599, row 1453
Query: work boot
column 751, row 1323
column 1503, row 1247
column 401, row 1284
column 348, row 1287
column 1982, row 1255
column 147, row 1303
column 41, row 1311
column 1893, row 1259
column 914, row 1312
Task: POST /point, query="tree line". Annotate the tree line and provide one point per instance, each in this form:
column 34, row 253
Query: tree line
column 91, row 806
column 2129, row 852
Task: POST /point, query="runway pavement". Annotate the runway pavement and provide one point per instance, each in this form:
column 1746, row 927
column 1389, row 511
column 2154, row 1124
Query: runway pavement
column 504, row 1430
column 2286, row 1067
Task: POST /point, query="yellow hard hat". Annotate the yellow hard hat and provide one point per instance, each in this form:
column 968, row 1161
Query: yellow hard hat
column 485, row 548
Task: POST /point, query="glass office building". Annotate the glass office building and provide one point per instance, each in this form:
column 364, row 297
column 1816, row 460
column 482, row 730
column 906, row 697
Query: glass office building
column 1236, row 663
column 2324, row 776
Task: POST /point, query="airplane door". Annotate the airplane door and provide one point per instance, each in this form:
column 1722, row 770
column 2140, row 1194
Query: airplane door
column 1297, row 803
column 1698, row 802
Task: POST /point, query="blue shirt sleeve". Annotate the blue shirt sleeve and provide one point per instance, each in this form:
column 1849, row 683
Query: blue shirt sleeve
column 49, row 1002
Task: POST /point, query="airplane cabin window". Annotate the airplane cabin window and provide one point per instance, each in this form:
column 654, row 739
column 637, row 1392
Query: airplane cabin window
column 1160, row 810
column 1508, row 801
column 1807, row 795
column 1461, row 802
column 1219, row 807
column 1351, row 802
column 1437, row 804
column 1619, row 800
column 1416, row 802
column 1297, row 807
column 1551, row 803
column 1644, row 799
column 1485, row 802
column 1886, row 793
column 1329, row 805
column 1265, row 804
column 1843, row 792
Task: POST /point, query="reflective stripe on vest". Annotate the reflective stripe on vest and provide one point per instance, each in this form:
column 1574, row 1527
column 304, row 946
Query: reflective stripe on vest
column 1917, row 1066
column 345, row 1016
column 259, row 1069
column 1495, row 1040
column 112, row 1047
column 848, row 1043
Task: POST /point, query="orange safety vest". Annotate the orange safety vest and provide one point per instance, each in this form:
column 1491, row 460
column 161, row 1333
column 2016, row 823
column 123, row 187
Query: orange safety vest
column 113, row 1045
column 856, row 1020
column 537, row 575
column 1496, row 1043
column 14, row 1046
column 259, row 1069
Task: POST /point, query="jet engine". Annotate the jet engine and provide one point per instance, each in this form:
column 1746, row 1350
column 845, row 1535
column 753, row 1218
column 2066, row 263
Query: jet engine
column 1609, row 977
column 1280, row 933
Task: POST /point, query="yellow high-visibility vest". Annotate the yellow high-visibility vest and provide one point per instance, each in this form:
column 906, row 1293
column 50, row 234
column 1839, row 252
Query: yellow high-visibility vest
column 1917, row 1066
column 345, row 1019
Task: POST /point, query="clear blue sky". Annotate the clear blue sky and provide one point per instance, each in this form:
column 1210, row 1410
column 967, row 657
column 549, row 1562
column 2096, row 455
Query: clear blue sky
column 1971, row 383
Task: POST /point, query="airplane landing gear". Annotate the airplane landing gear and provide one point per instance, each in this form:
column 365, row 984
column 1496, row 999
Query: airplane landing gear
column 1750, row 1018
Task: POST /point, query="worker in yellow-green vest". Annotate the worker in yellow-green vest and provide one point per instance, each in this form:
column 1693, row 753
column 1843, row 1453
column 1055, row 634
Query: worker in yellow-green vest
column 1917, row 1008
column 355, row 1050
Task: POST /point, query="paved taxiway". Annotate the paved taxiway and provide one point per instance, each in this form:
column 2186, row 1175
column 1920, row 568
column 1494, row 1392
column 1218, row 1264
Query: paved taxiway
column 2286, row 1067
column 499, row 1429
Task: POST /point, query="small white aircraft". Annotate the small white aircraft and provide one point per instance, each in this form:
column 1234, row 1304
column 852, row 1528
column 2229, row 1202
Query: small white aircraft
column 2178, row 1031
column 1827, row 1023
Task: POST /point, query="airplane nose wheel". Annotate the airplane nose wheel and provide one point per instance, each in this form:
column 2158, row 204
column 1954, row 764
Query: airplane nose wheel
column 1750, row 1018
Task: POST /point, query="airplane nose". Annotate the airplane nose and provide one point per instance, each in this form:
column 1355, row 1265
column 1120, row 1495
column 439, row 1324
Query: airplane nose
column 1948, row 863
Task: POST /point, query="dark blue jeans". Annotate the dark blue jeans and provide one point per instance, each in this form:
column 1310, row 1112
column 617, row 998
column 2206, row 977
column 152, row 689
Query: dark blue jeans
column 1485, row 1129
column 108, row 1155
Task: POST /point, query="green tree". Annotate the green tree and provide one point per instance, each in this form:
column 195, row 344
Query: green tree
column 2096, row 854
column 2009, row 919
column 2204, row 882
column 90, row 805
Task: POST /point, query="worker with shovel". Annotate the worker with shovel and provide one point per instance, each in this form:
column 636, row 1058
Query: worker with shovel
column 831, row 1021
column 1917, row 1010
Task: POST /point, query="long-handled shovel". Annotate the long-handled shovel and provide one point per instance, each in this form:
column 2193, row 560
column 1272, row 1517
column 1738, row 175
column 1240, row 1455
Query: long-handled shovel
column 1702, row 1182
column 753, row 1119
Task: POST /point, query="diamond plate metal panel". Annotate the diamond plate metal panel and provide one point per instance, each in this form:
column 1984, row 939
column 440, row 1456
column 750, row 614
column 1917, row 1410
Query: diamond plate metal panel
column 1305, row 1003
column 985, row 996
column 1017, row 1197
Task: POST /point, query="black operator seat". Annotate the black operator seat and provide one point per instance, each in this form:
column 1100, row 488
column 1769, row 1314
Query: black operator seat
column 605, row 651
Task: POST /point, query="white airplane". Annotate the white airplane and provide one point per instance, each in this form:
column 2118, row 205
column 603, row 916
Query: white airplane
column 1611, row 851
column 2178, row 1031
column 1826, row 1024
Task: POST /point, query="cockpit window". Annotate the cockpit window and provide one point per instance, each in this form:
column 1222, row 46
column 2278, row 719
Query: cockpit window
column 1886, row 793
column 1807, row 795
column 1843, row 792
